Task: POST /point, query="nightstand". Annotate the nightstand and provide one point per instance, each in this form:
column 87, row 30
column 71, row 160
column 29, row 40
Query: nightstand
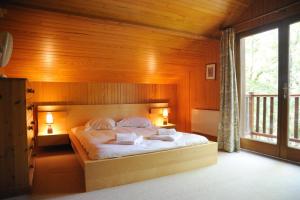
column 53, row 139
column 169, row 125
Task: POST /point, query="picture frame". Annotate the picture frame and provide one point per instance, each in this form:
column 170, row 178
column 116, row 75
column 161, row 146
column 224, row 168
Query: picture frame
column 210, row 71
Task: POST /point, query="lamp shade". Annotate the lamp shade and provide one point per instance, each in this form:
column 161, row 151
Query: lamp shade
column 165, row 112
column 49, row 118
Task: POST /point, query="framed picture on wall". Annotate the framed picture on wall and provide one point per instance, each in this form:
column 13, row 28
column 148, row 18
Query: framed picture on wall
column 211, row 71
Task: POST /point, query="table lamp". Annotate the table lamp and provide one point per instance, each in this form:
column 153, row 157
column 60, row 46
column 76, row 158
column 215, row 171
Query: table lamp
column 49, row 121
column 165, row 114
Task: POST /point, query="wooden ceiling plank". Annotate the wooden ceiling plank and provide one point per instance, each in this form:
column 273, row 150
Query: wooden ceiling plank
column 184, row 18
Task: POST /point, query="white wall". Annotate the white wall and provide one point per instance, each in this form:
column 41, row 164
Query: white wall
column 205, row 121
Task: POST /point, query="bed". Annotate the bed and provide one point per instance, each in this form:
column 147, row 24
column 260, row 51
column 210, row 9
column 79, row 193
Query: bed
column 119, row 170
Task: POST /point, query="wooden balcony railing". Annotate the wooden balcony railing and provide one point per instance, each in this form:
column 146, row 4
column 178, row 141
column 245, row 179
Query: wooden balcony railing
column 261, row 108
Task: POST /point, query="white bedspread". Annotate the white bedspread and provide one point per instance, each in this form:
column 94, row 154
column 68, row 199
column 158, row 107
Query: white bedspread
column 102, row 144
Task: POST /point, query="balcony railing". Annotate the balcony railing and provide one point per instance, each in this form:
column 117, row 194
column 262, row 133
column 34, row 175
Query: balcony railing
column 262, row 116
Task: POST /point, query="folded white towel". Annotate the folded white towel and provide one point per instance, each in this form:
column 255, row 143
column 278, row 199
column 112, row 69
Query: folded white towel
column 128, row 138
column 169, row 138
column 125, row 136
column 165, row 131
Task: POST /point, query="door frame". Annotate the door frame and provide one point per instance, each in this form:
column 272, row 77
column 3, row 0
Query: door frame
column 286, row 152
column 281, row 149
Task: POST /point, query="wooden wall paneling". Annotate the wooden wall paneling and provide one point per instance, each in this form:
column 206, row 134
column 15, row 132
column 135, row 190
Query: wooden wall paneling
column 69, row 116
column 195, row 92
column 168, row 93
column 205, row 94
column 183, row 98
column 60, row 92
column 105, row 93
column 64, row 48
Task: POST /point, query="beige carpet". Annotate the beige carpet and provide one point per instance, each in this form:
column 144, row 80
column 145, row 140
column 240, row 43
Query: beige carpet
column 236, row 176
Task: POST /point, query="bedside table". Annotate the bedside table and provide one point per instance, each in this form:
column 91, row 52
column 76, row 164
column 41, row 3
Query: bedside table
column 169, row 126
column 44, row 139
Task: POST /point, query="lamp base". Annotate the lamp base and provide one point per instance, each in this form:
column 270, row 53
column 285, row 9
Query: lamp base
column 165, row 122
column 49, row 130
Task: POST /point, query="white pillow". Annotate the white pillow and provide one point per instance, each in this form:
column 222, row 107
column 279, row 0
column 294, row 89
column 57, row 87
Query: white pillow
column 101, row 124
column 138, row 122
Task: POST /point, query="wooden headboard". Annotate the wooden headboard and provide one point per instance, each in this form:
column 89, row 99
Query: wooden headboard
column 69, row 116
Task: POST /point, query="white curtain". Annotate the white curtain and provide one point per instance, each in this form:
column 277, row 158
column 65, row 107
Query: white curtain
column 228, row 131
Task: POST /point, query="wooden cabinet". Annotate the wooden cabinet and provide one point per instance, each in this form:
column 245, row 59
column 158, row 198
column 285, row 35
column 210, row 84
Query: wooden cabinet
column 14, row 140
column 53, row 139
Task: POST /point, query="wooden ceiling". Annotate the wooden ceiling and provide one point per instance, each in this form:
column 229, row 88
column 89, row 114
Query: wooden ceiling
column 195, row 17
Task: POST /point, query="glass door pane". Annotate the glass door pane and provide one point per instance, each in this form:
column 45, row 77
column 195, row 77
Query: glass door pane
column 259, row 86
column 294, row 86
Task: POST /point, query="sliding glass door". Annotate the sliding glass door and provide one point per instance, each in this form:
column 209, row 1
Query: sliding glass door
column 293, row 93
column 270, row 90
column 294, row 86
column 259, row 88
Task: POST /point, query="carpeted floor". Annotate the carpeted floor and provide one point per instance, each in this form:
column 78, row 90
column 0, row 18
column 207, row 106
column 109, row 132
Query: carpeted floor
column 237, row 176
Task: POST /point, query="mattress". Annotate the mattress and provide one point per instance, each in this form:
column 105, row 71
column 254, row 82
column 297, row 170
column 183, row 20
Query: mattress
column 100, row 144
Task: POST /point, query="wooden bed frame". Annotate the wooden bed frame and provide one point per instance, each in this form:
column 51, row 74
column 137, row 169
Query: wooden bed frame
column 118, row 171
